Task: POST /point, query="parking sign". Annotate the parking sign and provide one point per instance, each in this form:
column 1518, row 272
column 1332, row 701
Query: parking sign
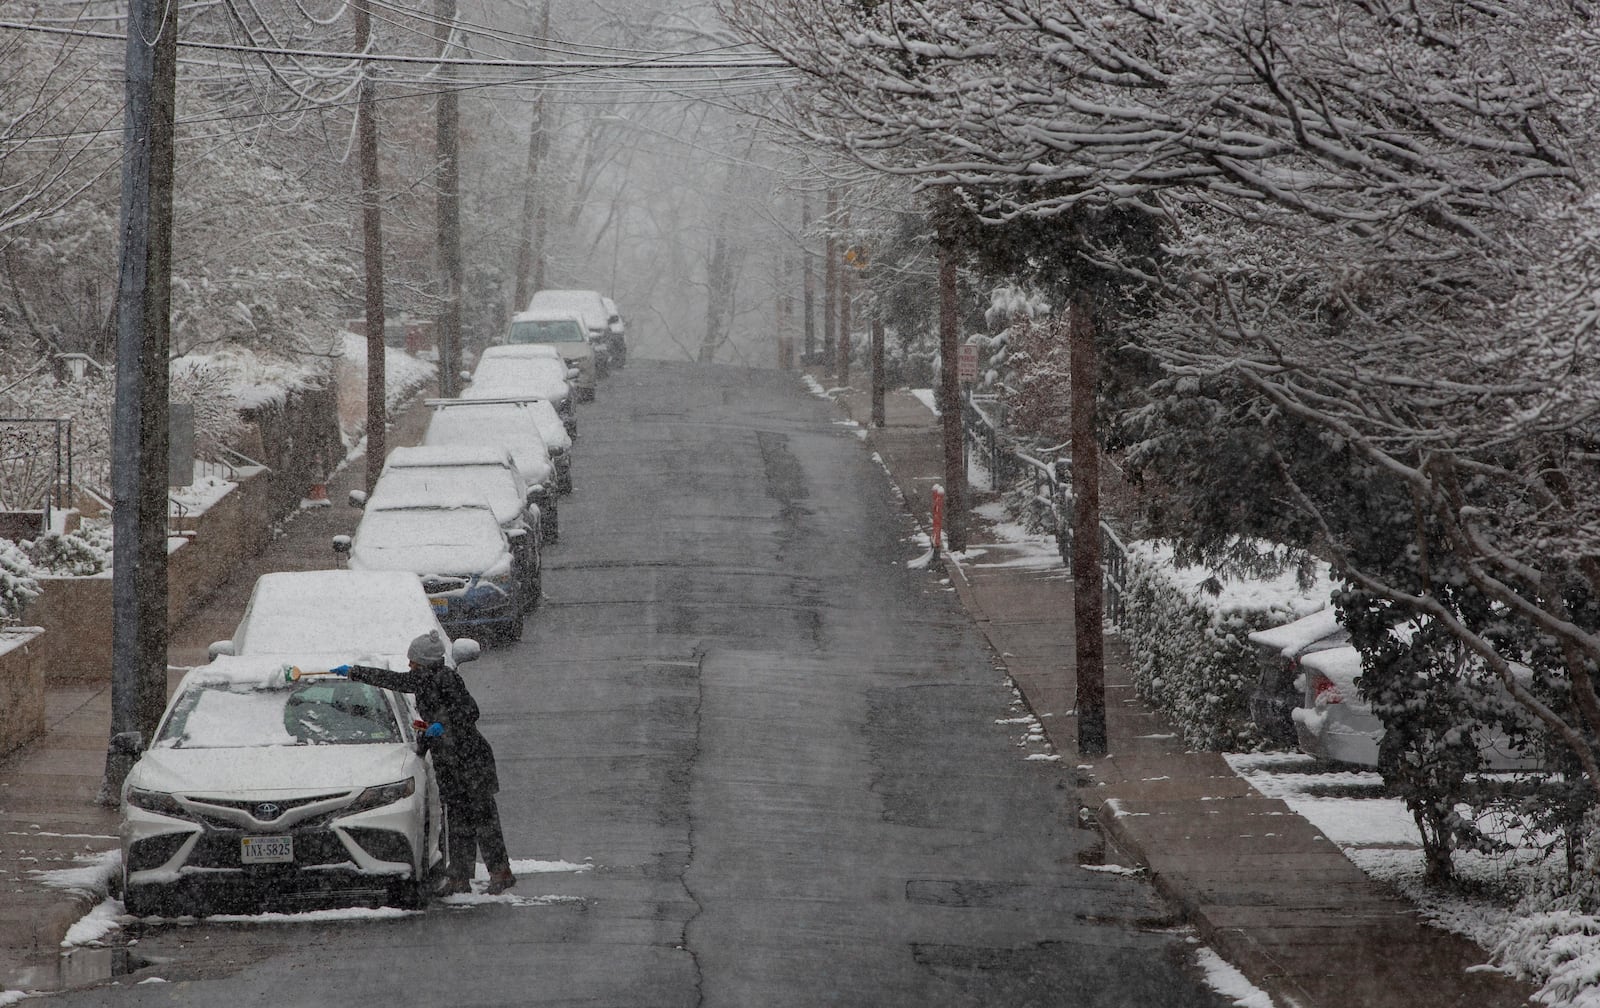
column 967, row 363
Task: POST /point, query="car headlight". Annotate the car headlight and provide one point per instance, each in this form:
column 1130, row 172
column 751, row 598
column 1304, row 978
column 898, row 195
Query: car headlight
column 159, row 802
column 383, row 794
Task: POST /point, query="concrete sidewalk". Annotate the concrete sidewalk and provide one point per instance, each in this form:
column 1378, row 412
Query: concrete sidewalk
column 1260, row 884
column 52, row 831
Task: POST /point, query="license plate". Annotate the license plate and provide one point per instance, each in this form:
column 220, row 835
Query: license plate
column 266, row 849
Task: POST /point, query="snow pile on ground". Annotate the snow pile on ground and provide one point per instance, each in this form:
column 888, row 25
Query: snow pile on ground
column 1229, row 982
column 1559, row 947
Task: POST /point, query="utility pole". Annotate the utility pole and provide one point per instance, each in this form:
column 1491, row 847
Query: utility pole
column 448, row 147
column 139, row 476
column 528, row 280
column 372, row 253
column 1087, row 588
column 949, row 400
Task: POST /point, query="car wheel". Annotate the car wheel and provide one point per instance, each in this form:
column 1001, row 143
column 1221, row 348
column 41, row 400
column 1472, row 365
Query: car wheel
column 407, row 894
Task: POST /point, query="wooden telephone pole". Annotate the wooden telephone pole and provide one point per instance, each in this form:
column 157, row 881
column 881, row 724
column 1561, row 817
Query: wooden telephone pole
column 139, row 463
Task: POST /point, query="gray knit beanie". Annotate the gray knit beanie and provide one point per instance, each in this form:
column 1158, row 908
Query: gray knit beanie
column 427, row 649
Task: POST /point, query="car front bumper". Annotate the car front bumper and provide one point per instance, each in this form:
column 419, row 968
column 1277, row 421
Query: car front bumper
column 200, row 858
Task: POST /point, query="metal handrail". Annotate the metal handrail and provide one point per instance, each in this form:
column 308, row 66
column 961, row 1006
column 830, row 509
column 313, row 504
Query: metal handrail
column 1052, row 496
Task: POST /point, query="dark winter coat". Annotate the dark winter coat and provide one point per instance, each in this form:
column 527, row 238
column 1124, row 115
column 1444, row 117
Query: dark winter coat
column 463, row 758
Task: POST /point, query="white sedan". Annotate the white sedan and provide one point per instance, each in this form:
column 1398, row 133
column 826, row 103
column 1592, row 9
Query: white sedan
column 269, row 781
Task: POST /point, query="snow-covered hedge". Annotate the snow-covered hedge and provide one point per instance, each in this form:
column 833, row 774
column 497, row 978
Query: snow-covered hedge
column 18, row 583
column 69, row 554
column 1188, row 632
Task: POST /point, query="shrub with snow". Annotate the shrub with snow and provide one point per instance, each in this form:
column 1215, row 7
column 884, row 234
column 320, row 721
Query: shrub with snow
column 1188, row 629
column 18, row 583
column 71, row 554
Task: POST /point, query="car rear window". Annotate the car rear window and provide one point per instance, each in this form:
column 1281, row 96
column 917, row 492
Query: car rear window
column 546, row 331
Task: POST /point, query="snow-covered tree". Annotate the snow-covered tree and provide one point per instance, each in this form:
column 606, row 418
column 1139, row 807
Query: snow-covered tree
column 1372, row 313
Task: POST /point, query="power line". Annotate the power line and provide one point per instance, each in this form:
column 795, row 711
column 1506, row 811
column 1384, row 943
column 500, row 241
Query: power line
column 666, row 62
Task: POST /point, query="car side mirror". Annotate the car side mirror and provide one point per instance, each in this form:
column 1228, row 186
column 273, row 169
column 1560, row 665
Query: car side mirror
column 341, row 545
column 516, row 535
column 128, row 743
column 466, row 376
column 536, row 492
column 219, row 648
column 358, row 498
column 465, row 649
column 572, row 372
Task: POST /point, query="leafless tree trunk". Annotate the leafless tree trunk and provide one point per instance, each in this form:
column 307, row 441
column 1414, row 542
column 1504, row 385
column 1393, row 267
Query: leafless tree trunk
column 449, row 210
column 955, row 455
column 1087, row 589
column 372, row 254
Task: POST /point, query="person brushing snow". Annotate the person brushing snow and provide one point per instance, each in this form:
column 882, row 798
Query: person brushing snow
column 463, row 758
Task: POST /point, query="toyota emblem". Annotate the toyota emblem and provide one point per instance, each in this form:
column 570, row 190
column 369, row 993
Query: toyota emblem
column 267, row 810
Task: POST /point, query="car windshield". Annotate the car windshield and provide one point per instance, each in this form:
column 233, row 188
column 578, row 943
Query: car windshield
column 231, row 715
column 546, row 331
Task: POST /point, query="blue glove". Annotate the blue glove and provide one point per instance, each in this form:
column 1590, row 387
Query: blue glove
column 339, row 670
column 435, row 730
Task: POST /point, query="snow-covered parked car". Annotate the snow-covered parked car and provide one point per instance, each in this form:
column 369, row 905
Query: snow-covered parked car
column 534, row 369
column 505, row 426
column 418, row 485
column 1275, row 696
column 563, row 330
column 262, row 786
column 556, row 439
column 1334, row 723
column 459, row 552
column 602, row 323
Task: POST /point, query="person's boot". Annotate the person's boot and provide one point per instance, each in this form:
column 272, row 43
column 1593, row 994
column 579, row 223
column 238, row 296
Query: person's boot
column 500, row 880
column 454, row 885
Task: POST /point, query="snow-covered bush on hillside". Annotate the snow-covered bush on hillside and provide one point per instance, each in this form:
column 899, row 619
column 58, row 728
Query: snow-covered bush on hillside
column 1187, row 631
column 72, row 554
column 18, row 583
column 404, row 375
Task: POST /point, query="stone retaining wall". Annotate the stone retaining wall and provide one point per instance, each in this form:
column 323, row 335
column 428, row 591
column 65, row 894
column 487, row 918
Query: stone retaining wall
column 21, row 688
column 75, row 613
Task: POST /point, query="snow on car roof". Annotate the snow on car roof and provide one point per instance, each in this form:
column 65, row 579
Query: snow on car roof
column 548, row 315
column 519, row 351
column 270, row 671
column 1291, row 637
column 410, row 485
column 488, row 423
column 424, row 494
column 1341, row 665
column 447, row 455
column 334, row 611
column 429, row 540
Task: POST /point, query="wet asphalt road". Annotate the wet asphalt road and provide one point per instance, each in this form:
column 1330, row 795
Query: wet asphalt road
column 777, row 747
